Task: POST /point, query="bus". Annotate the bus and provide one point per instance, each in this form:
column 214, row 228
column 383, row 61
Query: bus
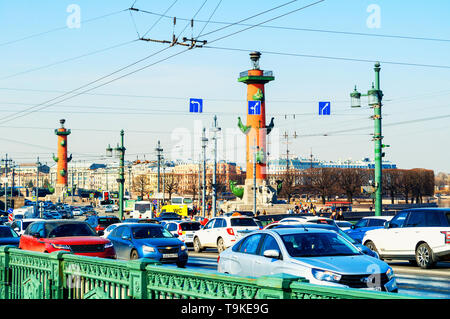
column 180, row 200
column 142, row 209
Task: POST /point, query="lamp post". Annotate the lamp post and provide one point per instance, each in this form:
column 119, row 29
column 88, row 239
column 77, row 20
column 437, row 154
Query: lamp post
column 119, row 152
column 375, row 96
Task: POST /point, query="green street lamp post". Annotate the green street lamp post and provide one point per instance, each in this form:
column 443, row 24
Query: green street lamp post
column 375, row 96
column 119, row 152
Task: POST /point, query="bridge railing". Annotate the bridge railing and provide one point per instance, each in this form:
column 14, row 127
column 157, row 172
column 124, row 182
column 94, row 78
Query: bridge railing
column 62, row 275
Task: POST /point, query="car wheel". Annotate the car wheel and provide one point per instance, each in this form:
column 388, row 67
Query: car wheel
column 134, row 255
column 369, row 244
column 197, row 246
column 181, row 264
column 220, row 245
column 424, row 256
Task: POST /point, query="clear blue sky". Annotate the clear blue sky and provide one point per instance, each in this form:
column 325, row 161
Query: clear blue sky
column 153, row 104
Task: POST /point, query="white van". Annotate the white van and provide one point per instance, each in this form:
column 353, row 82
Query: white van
column 142, row 209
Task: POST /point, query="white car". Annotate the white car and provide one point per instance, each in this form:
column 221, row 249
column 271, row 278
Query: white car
column 321, row 256
column 344, row 225
column 302, row 220
column 420, row 235
column 183, row 229
column 77, row 212
column 222, row 232
column 20, row 225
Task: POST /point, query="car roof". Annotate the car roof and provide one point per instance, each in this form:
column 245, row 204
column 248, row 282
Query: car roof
column 296, row 230
column 437, row 209
column 378, row 217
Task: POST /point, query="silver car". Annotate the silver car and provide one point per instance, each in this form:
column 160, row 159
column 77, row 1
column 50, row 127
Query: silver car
column 321, row 256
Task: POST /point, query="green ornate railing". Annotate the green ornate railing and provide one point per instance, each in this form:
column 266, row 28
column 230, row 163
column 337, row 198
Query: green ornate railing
column 61, row 275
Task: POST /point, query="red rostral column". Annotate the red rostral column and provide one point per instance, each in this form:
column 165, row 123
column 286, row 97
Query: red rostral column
column 62, row 159
column 256, row 129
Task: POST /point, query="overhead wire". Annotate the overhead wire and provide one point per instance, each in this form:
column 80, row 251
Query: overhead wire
column 42, row 106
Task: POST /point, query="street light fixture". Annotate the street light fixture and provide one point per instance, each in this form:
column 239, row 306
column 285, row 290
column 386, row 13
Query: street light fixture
column 355, row 98
column 119, row 152
column 375, row 96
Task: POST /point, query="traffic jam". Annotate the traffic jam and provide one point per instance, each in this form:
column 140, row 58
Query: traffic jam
column 354, row 255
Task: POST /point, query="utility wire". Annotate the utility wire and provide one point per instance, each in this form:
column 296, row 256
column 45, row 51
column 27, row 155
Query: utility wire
column 330, row 57
column 392, row 36
column 60, row 28
column 33, row 109
column 69, row 59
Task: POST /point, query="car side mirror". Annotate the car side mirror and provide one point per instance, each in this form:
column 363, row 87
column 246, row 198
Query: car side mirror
column 272, row 253
column 100, row 232
column 352, row 227
column 17, row 230
column 386, row 224
column 126, row 237
column 176, row 235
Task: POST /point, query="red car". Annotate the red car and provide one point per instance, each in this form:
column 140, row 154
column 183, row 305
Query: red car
column 66, row 235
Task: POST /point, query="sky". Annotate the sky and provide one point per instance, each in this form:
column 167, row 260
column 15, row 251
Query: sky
column 82, row 61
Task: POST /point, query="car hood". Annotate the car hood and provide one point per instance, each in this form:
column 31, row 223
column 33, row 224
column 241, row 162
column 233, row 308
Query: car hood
column 351, row 265
column 9, row 240
column 81, row 240
column 159, row 241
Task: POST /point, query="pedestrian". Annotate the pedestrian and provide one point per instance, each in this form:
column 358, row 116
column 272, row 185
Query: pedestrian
column 333, row 215
column 340, row 215
column 264, row 212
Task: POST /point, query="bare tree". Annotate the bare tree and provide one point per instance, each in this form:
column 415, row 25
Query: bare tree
column 172, row 183
column 141, row 185
column 323, row 181
column 350, row 181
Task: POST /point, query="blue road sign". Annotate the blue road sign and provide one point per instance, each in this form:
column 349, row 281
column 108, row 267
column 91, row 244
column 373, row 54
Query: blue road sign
column 196, row 105
column 10, row 210
column 254, row 107
column 324, row 108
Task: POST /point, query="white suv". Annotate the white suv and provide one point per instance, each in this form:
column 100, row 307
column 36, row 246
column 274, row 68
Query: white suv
column 420, row 235
column 222, row 232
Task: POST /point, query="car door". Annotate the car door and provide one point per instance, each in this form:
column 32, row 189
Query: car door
column 262, row 265
column 393, row 240
column 207, row 233
column 246, row 255
column 121, row 244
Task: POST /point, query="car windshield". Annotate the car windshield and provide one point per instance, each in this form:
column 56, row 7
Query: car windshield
column 236, row 222
column 143, row 232
column 310, row 244
column 7, row 232
column 68, row 230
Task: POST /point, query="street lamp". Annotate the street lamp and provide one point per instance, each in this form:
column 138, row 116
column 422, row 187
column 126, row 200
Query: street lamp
column 119, row 152
column 375, row 96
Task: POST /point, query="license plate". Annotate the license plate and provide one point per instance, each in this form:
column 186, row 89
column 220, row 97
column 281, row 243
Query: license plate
column 391, row 285
column 170, row 255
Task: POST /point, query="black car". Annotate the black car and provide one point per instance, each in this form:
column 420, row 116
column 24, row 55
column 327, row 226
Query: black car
column 99, row 223
column 141, row 220
column 8, row 236
column 168, row 216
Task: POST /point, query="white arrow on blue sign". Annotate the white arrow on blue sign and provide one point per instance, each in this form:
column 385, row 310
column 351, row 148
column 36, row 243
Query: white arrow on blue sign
column 254, row 107
column 324, row 108
column 196, row 105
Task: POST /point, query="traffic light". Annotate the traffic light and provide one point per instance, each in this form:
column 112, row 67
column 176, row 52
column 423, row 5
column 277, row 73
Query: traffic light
column 106, row 196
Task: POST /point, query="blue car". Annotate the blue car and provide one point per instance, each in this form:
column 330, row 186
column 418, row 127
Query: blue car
column 358, row 230
column 134, row 241
column 8, row 236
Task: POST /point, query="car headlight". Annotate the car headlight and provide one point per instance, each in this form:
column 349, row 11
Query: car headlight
column 56, row 246
column 148, row 249
column 108, row 245
column 183, row 247
column 325, row 275
column 390, row 273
